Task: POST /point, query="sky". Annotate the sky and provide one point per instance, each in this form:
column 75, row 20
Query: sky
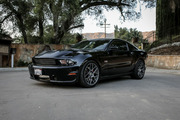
column 147, row 22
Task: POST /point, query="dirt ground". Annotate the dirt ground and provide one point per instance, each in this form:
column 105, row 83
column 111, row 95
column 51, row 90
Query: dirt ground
column 175, row 50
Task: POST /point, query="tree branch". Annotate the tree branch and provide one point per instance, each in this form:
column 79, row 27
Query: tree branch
column 9, row 5
column 6, row 17
column 77, row 26
column 121, row 11
column 110, row 3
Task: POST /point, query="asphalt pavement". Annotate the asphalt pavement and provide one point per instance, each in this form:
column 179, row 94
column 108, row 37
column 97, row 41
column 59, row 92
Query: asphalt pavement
column 156, row 97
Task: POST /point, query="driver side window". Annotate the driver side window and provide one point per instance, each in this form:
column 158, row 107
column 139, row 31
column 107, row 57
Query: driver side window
column 119, row 45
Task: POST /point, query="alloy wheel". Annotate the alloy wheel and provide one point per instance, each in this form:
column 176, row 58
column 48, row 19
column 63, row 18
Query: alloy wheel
column 141, row 70
column 91, row 74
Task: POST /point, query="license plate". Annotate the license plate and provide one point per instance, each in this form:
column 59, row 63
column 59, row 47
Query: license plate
column 37, row 71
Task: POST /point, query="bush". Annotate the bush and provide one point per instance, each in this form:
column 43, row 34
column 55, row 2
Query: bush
column 22, row 63
column 147, row 47
column 35, row 39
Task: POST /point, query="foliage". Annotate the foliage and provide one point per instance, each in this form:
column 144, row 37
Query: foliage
column 33, row 17
column 3, row 33
column 176, row 38
column 125, row 34
column 167, row 18
column 17, row 12
column 69, row 39
column 79, row 37
column 34, row 39
column 149, row 3
column 22, row 63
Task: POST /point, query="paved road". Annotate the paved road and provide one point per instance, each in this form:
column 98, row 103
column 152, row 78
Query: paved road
column 156, row 97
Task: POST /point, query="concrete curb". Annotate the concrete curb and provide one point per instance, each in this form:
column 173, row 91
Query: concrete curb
column 148, row 69
column 13, row 69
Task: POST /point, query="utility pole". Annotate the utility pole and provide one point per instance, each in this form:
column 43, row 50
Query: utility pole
column 105, row 26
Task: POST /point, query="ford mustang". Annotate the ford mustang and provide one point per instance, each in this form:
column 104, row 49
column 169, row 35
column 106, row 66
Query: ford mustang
column 88, row 61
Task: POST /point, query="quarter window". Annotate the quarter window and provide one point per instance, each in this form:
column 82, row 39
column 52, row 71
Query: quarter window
column 132, row 48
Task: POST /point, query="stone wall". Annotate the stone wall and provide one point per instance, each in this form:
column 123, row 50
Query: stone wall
column 164, row 61
column 25, row 52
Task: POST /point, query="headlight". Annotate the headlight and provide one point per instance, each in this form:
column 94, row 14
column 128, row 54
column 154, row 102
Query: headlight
column 67, row 62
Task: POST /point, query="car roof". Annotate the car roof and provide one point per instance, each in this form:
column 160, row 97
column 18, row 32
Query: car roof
column 99, row 39
column 110, row 39
column 105, row 39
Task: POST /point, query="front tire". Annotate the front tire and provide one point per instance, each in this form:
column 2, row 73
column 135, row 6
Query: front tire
column 139, row 70
column 90, row 74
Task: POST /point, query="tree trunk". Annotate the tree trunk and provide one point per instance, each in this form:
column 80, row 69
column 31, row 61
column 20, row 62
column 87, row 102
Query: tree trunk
column 55, row 26
column 59, row 37
column 63, row 29
column 41, row 27
column 22, row 28
column 167, row 18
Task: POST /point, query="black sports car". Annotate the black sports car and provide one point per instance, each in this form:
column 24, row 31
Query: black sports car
column 88, row 61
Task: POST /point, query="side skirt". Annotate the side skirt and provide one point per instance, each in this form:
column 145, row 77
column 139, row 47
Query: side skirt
column 117, row 75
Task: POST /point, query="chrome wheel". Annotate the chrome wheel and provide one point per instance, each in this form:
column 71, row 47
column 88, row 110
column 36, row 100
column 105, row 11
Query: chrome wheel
column 91, row 74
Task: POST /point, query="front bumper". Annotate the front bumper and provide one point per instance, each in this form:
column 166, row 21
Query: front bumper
column 58, row 74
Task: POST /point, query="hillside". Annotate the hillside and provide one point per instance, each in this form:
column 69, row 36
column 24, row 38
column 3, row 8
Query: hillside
column 150, row 36
column 89, row 36
column 146, row 35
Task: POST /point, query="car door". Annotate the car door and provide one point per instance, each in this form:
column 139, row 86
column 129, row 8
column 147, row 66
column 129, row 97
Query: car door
column 118, row 59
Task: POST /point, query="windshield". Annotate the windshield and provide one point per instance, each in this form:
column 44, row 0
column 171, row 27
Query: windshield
column 91, row 45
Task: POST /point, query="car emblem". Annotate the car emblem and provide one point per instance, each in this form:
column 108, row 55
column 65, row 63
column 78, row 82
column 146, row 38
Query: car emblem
column 106, row 61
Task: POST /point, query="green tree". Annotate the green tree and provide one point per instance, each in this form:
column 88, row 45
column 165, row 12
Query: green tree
column 33, row 16
column 135, row 35
column 128, row 34
column 48, row 34
column 122, row 33
column 39, row 9
column 16, row 11
column 71, row 17
column 167, row 18
column 3, row 33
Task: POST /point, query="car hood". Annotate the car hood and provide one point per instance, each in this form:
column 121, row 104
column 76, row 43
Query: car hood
column 58, row 53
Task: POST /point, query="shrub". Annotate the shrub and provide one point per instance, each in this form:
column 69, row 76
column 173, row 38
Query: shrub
column 22, row 63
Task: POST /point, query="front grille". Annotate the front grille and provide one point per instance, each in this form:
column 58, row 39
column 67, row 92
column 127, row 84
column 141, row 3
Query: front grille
column 45, row 61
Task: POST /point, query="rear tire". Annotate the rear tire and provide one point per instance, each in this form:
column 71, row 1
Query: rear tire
column 139, row 70
column 89, row 74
